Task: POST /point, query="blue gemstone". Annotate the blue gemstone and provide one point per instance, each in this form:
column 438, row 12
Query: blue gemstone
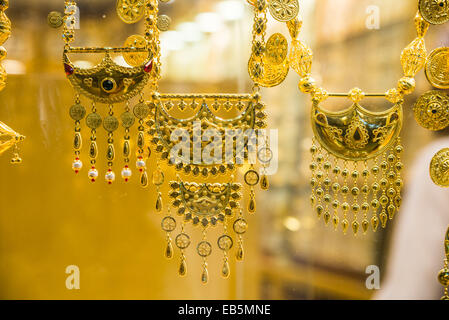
column 107, row 85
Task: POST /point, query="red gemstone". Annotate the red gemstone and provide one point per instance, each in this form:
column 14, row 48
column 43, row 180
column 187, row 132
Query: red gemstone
column 68, row 69
column 93, row 180
column 148, row 67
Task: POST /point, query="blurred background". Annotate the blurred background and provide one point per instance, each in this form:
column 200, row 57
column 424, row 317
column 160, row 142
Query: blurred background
column 50, row 218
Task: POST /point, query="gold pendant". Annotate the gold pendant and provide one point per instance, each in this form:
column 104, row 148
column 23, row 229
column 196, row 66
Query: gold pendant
column 135, row 59
column 130, row 11
column 284, row 10
column 432, row 110
column 439, row 168
column 267, row 74
column 356, row 166
column 434, row 11
column 206, row 205
column 437, row 68
column 110, row 83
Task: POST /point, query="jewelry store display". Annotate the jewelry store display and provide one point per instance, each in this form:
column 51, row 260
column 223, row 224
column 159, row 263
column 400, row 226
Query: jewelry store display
column 109, row 83
column 204, row 204
column 443, row 275
column 8, row 137
column 356, row 155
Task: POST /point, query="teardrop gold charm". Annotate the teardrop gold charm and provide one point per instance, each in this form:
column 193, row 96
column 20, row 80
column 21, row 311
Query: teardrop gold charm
column 365, row 226
column 110, row 155
column 240, row 255
column 252, row 205
column 375, row 223
column 383, row 219
column 126, row 149
column 182, row 268
column 355, row 227
column 264, row 183
column 141, row 140
column 93, row 150
column 335, row 222
column 225, row 270
column 205, row 276
column 159, row 203
column 169, row 251
column 391, row 211
column 327, row 217
column 77, row 141
column 345, row 225
column 144, row 179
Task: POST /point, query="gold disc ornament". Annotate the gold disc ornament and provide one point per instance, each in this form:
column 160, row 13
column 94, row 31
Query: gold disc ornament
column 163, row 22
column 284, row 10
column 434, row 11
column 439, row 168
column 437, row 68
column 135, row 59
column 130, row 11
column 432, row 110
column 267, row 74
column 276, row 49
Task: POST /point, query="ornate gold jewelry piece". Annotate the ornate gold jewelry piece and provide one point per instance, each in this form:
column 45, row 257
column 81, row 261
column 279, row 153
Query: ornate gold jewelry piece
column 439, row 168
column 356, row 155
column 130, row 11
column 443, row 275
column 437, row 68
column 284, row 10
column 193, row 119
column 110, row 83
column 8, row 137
column 432, row 110
column 434, row 11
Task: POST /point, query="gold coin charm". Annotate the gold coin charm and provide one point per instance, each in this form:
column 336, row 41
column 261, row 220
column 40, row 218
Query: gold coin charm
column 276, row 49
column 130, row 11
column 204, row 249
column 127, row 119
column 251, row 177
column 55, row 19
column 77, row 112
column 163, row 22
column 141, row 110
column 94, row 121
column 434, row 11
column 266, row 74
column 135, row 59
column 110, row 123
column 437, row 68
column 439, row 168
column 284, row 10
column 225, row 242
column 432, row 110
column 240, row 226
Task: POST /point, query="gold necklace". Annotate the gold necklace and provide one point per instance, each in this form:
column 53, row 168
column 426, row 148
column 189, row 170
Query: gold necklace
column 8, row 137
column 201, row 203
column 356, row 156
column 110, row 83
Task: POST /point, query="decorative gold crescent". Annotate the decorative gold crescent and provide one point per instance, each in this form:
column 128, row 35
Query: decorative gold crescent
column 162, row 126
column 356, row 134
column 108, row 82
